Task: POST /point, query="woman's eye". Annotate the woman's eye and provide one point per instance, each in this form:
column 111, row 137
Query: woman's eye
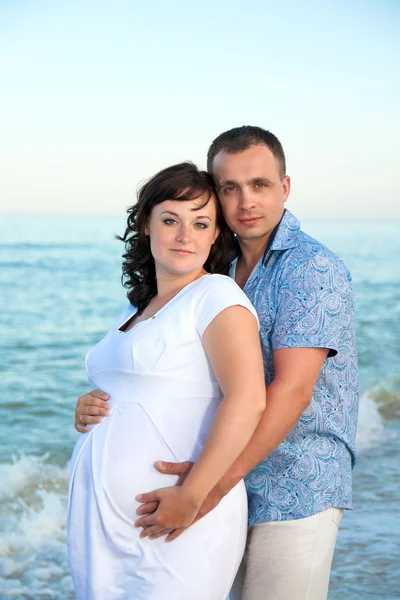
column 201, row 225
column 169, row 221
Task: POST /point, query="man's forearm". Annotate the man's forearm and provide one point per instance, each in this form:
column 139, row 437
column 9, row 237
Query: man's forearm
column 284, row 407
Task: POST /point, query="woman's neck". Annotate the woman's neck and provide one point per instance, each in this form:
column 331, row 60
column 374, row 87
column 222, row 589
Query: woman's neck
column 168, row 285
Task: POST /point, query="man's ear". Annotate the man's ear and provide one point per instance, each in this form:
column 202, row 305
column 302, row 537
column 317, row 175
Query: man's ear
column 286, row 187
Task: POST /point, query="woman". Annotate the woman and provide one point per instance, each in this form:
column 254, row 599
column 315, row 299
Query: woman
column 183, row 368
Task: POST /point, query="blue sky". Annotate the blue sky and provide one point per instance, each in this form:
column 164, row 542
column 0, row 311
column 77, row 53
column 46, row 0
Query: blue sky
column 98, row 96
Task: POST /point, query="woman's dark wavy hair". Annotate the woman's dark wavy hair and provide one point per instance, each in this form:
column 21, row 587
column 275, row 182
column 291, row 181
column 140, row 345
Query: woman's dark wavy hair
column 179, row 182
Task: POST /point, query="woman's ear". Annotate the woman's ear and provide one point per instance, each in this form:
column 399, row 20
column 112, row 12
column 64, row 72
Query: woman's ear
column 146, row 227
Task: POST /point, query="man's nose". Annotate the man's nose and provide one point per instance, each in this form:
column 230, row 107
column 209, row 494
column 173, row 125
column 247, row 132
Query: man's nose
column 246, row 200
column 183, row 234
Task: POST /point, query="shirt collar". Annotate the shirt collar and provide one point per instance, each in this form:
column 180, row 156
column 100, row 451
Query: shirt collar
column 283, row 237
column 287, row 233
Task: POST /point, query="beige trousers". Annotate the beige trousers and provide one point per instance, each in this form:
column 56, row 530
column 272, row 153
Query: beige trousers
column 288, row 560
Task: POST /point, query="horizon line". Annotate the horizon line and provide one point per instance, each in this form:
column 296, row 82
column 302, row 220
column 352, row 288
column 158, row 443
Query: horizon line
column 118, row 214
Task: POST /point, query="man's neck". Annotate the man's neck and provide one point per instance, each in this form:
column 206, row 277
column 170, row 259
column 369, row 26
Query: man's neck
column 250, row 253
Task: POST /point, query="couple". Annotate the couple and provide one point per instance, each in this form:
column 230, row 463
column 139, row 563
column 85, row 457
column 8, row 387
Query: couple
column 183, row 380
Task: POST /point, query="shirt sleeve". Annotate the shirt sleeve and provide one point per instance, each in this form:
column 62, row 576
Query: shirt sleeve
column 315, row 305
column 216, row 293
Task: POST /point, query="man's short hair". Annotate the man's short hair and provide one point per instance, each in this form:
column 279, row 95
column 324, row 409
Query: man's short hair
column 238, row 139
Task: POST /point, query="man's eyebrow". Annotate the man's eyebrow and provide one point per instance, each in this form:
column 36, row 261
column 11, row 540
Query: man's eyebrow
column 227, row 182
column 260, row 180
column 248, row 182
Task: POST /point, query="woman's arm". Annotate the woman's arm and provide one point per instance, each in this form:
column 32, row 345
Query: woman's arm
column 233, row 347
column 232, row 344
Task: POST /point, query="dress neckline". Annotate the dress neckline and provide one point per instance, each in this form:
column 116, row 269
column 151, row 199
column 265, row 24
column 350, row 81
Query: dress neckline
column 166, row 305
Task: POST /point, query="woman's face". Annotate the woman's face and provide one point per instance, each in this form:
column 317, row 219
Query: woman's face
column 181, row 234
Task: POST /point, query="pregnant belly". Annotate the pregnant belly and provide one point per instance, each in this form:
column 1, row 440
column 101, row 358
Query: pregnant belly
column 115, row 461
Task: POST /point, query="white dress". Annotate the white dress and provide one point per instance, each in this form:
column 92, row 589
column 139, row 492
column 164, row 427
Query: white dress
column 163, row 397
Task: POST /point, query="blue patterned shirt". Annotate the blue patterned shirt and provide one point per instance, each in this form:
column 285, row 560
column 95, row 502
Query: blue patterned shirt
column 303, row 296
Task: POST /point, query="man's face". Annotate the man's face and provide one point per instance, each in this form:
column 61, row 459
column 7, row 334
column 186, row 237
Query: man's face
column 251, row 191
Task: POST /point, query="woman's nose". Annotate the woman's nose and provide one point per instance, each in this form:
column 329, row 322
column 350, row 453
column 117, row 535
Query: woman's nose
column 183, row 235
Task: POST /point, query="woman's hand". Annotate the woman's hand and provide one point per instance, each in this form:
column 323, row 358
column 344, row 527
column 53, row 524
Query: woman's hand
column 90, row 410
column 154, row 531
column 177, row 510
column 167, row 468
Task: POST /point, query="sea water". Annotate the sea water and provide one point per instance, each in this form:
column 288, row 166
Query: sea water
column 60, row 291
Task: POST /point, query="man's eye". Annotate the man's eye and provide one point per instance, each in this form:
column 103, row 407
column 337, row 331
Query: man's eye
column 261, row 184
column 230, row 188
column 200, row 225
column 169, row 221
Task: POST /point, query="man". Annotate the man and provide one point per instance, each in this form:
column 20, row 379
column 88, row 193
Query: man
column 297, row 466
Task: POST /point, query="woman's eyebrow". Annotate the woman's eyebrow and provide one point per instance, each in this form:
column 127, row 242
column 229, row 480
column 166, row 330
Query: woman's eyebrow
column 170, row 212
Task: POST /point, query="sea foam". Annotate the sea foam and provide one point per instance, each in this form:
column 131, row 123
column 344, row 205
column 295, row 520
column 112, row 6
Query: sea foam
column 370, row 423
column 33, row 557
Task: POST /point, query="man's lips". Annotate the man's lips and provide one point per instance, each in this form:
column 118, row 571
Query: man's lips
column 249, row 221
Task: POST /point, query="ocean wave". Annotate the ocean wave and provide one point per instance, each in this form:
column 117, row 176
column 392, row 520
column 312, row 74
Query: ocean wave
column 370, row 424
column 379, row 405
column 386, row 395
column 26, row 474
column 33, row 555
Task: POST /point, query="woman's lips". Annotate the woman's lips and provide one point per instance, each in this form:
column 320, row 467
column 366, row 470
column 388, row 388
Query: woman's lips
column 182, row 252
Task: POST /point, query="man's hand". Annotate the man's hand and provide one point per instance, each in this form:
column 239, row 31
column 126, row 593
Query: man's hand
column 90, row 410
column 154, row 530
